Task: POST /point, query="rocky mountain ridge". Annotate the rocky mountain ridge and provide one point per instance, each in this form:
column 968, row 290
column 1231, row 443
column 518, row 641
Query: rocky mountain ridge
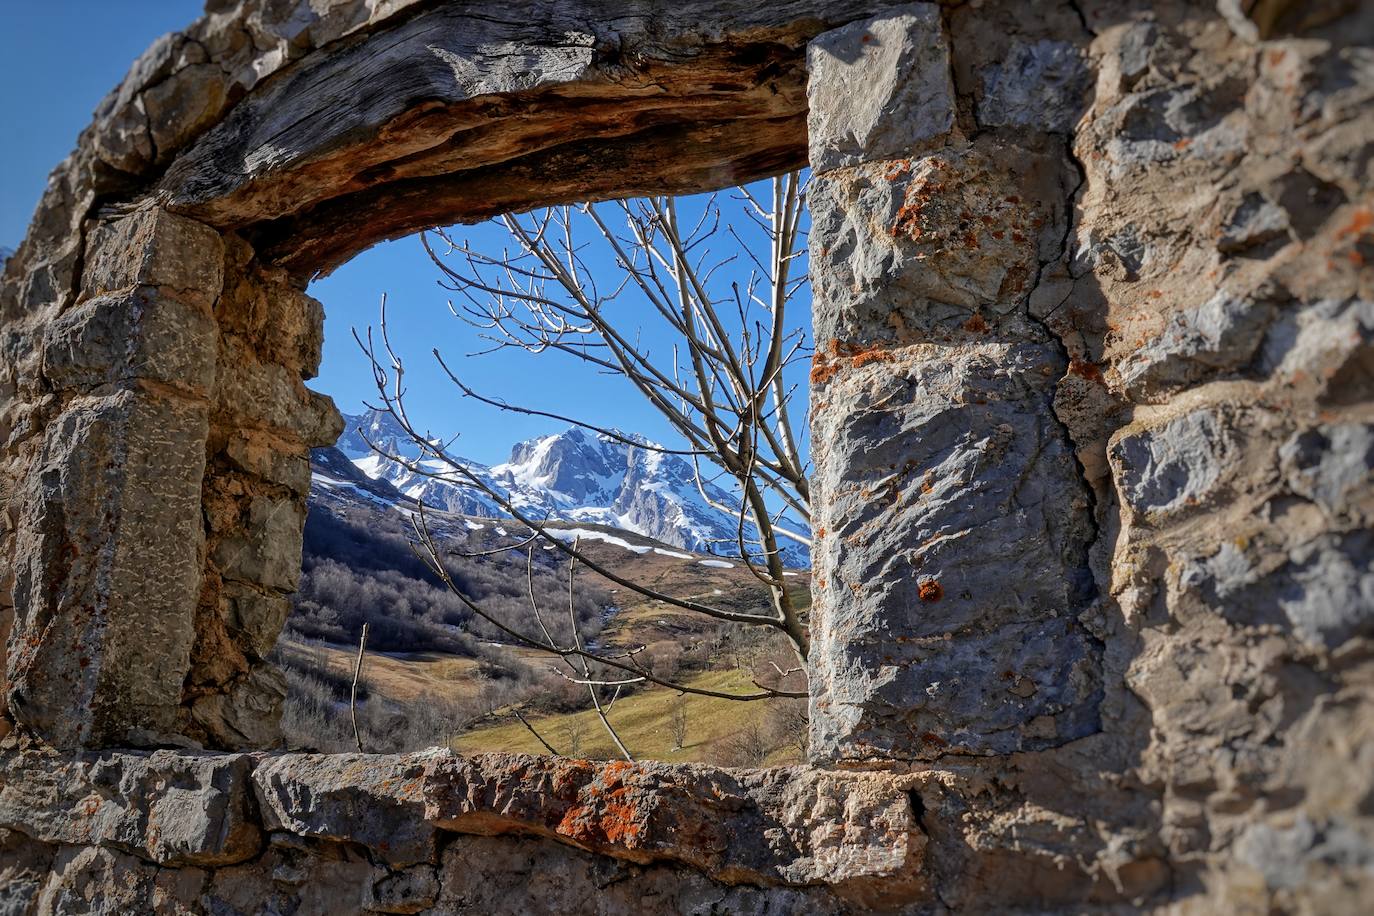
column 572, row 476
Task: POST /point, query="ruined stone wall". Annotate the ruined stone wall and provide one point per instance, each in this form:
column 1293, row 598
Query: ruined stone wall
column 172, row 832
column 1092, row 422
column 1092, row 425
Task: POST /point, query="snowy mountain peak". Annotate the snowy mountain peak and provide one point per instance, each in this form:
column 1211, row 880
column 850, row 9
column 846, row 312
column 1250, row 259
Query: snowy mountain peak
column 574, row 475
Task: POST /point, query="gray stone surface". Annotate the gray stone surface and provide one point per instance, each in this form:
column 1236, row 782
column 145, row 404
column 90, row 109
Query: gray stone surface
column 169, row 808
column 24, row 864
column 138, row 334
column 112, row 517
column 372, row 800
column 1327, row 593
column 949, row 565
column 267, row 551
column 1222, row 334
column 1256, row 221
column 887, row 88
column 1331, row 464
column 1040, row 86
column 256, row 615
column 248, row 713
column 152, row 247
column 951, row 522
column 1175, row 466
column 408, row 890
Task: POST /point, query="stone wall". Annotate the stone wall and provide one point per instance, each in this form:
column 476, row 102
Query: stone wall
column 1092, row 421
column 1093, row 425
column 173, row 832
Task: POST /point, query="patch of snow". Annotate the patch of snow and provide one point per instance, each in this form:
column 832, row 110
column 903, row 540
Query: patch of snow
column 587, row 534
column 472, row 526
column 672, row 553
column 717, row 564
column 335, row 484
column 791, row 575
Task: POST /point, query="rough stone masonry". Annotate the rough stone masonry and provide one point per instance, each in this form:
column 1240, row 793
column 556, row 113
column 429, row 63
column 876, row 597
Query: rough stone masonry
column 1093, row 427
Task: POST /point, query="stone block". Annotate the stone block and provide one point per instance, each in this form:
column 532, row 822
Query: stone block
column 1329, row 344
column 266, row 551
column 1220, row 335
column 183, row 105
column 256, row 617
column 266, row 309
column 140, row 333
column 151, row 247
column 265, row 394
column 1039, row 85
column 949, row 559
column 246, row 716
column 170, row 808
column 913, row 250
column 376, row 801
column 407, row 890
column 295, row 328
column 794, row 826
column 1173, row 467
column 879, row 88
column 108, row 561
column 1331, row 464
column 24, row 865
column 1326, row 591
column 270, row 458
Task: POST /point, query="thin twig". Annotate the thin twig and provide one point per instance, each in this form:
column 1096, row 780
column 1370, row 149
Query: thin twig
column 353, row 692
column 524, row 722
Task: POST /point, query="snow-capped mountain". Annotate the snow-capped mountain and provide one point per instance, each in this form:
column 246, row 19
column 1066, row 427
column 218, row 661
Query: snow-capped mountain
column 574, row 475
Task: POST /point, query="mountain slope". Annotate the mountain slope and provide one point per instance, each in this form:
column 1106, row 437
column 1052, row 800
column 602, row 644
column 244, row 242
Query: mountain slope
column 574, row 476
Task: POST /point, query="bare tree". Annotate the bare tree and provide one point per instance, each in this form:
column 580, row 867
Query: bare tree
column 574, row 731
column 748, row 747
column 677, row 723
column 722, row 389
column 787, row 724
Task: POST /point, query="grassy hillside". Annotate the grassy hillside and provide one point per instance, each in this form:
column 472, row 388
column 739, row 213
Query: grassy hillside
column 714, row 727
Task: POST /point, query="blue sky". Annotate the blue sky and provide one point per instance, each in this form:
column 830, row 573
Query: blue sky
column 59, row 58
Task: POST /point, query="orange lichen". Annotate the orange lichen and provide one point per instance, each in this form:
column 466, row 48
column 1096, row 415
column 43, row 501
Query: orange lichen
column 830, row 361
column 1361, row 221
column 930, row 591
column 1085, row 369
column 822, row 372
column 976, row 325
column 934, row 739
column 873, row 354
